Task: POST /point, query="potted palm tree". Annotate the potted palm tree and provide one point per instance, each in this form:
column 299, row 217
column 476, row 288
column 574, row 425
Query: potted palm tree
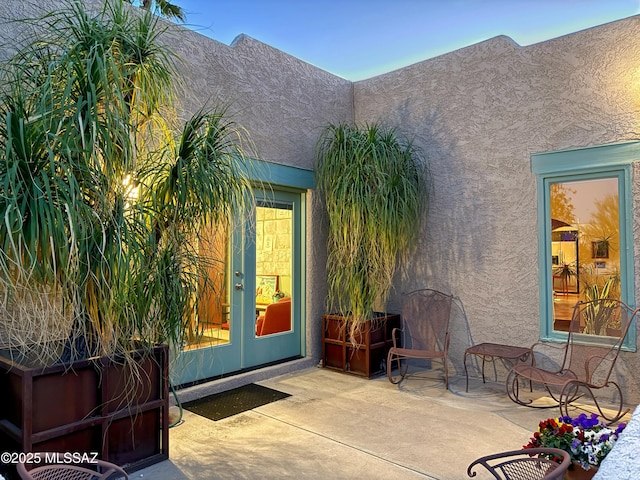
column 373, row 186
column 103, row 201
column 163, row 8
column 565, row 272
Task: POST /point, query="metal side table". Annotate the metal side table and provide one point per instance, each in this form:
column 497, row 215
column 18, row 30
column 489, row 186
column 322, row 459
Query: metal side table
column 492, row 351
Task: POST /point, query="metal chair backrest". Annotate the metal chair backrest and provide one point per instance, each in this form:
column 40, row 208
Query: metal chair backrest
column 526, row 464
column 426, row 314
column 93, row 470
column 610, row 320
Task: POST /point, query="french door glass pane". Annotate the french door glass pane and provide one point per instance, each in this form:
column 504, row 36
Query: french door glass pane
column 274, row 267
column 212, row 325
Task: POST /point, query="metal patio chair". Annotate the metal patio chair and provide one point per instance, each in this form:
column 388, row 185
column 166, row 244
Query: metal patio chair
column 585, row 367
column 525, row 464
column 95, row 470
column 424, row 334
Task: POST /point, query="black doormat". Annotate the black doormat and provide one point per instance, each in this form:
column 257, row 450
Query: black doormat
column 225, row 404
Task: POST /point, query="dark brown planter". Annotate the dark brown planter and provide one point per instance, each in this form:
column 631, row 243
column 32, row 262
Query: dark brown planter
column 90, row 406
column 368, row 354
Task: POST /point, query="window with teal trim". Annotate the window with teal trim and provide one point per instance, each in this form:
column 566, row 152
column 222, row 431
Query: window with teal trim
column 585, row 233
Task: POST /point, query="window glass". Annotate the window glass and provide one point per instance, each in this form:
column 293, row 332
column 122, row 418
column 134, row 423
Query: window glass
column 212, row 324
column 585, row 244
column 274, row 267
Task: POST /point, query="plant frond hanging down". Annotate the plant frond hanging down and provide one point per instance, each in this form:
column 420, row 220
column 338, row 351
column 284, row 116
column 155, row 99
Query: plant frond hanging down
column 373, row 186
column 103, row 199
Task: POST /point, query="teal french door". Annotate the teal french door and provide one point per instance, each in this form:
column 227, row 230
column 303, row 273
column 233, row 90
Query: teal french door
column 250, row 310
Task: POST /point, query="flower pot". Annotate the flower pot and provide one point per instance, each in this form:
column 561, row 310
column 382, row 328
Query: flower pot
column 366, row 355
column 576, row 472
column 91, row 405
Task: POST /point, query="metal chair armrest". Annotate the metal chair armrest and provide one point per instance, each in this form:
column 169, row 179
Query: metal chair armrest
column 394, row 336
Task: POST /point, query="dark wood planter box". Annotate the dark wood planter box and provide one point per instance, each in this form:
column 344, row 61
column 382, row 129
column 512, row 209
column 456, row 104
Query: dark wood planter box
column 93, row 405
column 367, row 355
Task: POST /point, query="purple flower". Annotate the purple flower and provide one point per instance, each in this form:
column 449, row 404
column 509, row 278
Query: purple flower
column 586, row 438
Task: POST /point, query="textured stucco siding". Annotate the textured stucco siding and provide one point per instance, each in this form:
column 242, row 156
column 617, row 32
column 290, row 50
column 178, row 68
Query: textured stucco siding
column 283, row 102
column 478, row 114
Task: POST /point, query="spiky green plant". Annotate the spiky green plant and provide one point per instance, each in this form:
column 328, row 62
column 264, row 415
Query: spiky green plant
column 373, row 185
column 103, row 203
column 161, row 7
column 598, row 316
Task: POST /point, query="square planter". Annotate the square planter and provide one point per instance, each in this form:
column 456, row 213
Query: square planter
column 367, row 355
column 96, row 405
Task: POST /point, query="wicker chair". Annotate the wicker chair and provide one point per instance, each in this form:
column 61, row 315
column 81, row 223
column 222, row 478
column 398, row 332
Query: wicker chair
column 94, row 470
column 585, row 368
column 425, row 332
column 526, row 464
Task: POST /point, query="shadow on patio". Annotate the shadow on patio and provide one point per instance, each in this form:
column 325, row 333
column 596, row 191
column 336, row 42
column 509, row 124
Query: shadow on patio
column 341, row 426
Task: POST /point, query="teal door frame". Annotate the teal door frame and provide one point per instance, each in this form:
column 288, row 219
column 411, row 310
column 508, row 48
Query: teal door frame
column 278, row 183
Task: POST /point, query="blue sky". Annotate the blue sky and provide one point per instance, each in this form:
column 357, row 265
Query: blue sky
column 358, row 39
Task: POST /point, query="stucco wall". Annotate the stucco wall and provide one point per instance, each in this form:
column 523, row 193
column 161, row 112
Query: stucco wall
column 283, row 102
column 478, row 113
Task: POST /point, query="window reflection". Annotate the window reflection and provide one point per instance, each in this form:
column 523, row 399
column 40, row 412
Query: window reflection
column 585, row 244
column 274, row 267
column 213, row 323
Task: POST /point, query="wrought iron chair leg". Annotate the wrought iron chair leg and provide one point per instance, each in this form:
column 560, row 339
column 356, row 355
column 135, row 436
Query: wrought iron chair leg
column 511, row 393
column 552, row 395
column 401, row 372
column 466, row 372
column 568, row 395
column 390, row 358
column 446, row 373
column 513, row 381
column 619, row 414
column 514, row 391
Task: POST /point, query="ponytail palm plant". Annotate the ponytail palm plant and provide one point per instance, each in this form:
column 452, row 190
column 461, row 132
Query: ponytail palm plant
column 162, row 7
column 103, row 198
column 373, row 184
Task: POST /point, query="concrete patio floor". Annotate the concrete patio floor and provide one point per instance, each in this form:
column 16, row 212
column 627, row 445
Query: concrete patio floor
column 342, row 426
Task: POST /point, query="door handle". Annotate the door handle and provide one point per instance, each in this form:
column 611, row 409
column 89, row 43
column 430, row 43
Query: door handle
column 239, row 286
